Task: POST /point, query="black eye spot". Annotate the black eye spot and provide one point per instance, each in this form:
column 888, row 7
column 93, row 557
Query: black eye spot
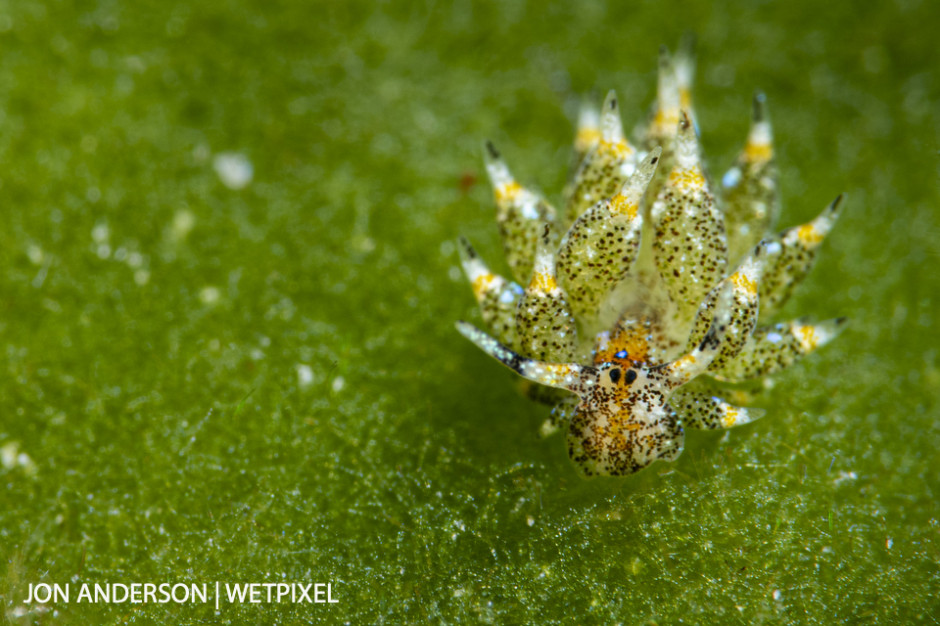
column 631, row 376
column 615, row 375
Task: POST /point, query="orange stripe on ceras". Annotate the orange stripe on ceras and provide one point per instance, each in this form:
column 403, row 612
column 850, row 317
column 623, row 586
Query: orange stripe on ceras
column 758, row 151
column 481, row 284
column 730, row 418
column 689, row 178
column 666, row 122
column 808, row 234
column 508, row 192
column 807, row 337
column 619, row 149
column 742, row 281
column 587, row 138
column 543, row 282
column 621, row 205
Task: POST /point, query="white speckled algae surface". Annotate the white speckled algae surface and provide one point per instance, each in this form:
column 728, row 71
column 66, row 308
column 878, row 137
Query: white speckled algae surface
column 231, row 390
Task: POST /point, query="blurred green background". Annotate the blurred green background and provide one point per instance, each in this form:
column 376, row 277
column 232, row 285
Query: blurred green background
column 263, row 384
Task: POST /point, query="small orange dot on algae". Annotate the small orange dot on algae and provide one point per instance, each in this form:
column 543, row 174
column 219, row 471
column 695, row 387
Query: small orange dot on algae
column 467, row 181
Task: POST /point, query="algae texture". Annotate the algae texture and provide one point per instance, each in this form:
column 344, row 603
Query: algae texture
column 219, row 379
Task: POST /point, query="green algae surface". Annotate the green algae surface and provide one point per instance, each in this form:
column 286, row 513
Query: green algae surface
column 258, row 381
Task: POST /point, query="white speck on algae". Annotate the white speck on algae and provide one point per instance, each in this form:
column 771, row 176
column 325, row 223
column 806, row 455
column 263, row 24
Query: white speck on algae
column 234, row 169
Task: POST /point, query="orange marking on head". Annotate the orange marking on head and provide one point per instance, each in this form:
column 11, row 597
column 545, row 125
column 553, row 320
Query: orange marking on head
column 619, row 426
column 621, row 205
column 691, row 178
column 632, row 340
column 508, row 191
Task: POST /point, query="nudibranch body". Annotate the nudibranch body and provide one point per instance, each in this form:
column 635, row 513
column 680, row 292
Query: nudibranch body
column 650, row 277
